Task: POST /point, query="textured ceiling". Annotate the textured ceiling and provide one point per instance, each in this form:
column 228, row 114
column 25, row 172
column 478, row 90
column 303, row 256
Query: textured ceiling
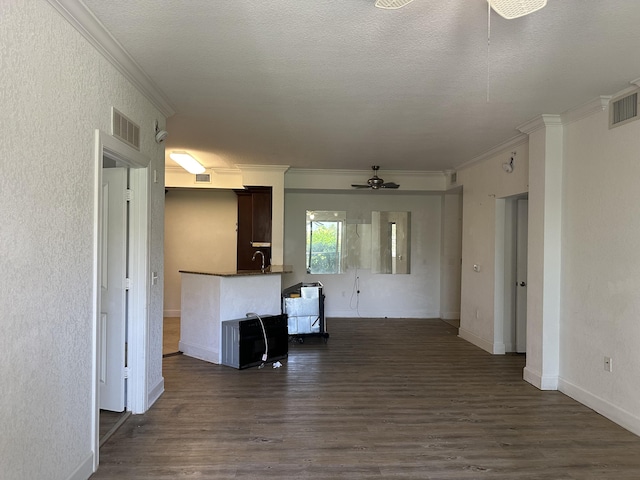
column 342, row 84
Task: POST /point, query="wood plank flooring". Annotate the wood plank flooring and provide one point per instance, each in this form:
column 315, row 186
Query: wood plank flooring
column 383, row 399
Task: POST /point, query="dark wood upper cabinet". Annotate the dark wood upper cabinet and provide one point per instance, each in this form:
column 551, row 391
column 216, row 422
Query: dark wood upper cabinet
column 254, row 227
column 261, row 217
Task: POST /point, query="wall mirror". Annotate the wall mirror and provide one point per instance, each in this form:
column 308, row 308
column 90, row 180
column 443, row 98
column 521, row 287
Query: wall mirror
column 358, row 245
column 390, row 242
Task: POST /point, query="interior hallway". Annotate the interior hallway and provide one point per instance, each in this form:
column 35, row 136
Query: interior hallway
column 383, row 399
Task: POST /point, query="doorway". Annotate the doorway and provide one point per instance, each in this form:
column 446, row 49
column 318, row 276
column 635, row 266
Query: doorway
column 514, row 279
column 120, row 320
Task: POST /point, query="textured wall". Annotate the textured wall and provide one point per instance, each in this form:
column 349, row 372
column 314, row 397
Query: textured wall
column 200, row 236
column 416, row 295
column 55, row 90
column 600, row 304
column 482, row 183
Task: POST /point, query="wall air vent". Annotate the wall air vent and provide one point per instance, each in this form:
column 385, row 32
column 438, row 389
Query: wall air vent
column 124, row 129
column 623, row 110
column 454, row 178
column 203, row 178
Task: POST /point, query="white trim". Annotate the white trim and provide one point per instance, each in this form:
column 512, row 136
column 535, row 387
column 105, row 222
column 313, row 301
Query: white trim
column 107, row 145
column 499, row 348
column 200, row 352
column 96, row 298
column 603, row 407
column 85, row 22
column 450, row 315
column 547, row 382
column 475, row 340
column 360, row 313
column 84, row 470
column 138, row 325
column 155, row 393
column 596, row 105
column 540, row 122
column 507, row 145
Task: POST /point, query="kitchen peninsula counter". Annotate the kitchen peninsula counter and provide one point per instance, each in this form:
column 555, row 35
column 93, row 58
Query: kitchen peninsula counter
column 271, row 270
column 210, row 298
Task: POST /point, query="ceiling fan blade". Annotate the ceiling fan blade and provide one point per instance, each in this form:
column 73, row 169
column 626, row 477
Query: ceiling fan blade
column 511, row 9
column 390, row 185
column 360, row 186
column 392, row 4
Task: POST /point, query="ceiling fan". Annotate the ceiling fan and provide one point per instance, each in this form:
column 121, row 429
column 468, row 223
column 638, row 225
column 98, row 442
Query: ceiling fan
column 505, row 8
column 376, row 182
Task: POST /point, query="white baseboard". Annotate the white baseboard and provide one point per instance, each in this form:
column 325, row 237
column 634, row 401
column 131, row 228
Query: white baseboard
column 499, row 348
column 476, row 340
column 602, row 406
column 450, row 315
column 199, row 352
column 84, row 470
column 377, row 314
column 155, row 393
column 543, row 382
column 171, row 313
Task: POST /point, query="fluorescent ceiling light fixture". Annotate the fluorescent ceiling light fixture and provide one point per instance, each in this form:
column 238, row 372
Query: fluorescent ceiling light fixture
column 187, row 162
column 392, row 4
column 510, row 9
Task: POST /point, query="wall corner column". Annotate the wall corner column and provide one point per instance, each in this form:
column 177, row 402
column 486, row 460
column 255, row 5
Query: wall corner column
column 544, row 247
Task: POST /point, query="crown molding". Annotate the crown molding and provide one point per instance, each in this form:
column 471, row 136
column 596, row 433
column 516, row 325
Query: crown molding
column 85, row 22
column 539, row 122
column 507, row 145
column 262, row 168
column 342, row 172
column 596, row 105
column 636, row 82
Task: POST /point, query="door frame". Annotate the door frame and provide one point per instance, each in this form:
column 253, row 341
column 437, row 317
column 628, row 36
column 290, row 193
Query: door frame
column 505, row 274
column 139, row 294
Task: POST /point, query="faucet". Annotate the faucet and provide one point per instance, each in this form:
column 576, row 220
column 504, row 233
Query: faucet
column 253, row 259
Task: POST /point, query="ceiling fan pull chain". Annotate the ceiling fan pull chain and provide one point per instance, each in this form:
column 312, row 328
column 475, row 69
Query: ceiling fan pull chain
column 488, row 46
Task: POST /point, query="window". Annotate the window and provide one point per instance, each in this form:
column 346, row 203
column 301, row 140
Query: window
column 325, row 241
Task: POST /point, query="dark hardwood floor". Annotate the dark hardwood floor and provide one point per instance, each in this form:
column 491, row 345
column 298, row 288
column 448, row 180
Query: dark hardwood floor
column 383, row 399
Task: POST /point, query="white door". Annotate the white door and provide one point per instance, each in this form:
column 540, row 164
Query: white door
column 521, row 274
column 112, row 333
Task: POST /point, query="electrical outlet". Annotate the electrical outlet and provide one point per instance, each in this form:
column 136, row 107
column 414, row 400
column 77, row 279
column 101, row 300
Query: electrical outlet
column 608, row 364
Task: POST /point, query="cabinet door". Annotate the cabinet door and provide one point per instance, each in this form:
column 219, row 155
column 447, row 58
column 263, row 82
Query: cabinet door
column 245, row 250
column 261, row 217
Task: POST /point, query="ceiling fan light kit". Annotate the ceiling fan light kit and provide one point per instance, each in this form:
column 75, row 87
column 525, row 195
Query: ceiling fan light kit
column 376, row 182
column 511, row 9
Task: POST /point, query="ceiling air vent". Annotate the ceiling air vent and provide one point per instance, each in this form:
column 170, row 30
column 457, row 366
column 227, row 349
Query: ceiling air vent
column 124, row 129
column 624, row 110
column 203, row 178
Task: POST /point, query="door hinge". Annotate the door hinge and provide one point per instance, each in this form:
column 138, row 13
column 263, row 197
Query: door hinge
column 126, row 372
column 128, row 194
column 128, row 284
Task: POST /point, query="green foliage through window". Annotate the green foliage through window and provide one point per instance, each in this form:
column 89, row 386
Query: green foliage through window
column 325, row 237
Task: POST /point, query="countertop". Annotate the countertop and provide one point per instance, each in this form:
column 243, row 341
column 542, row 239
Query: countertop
column 271, row 270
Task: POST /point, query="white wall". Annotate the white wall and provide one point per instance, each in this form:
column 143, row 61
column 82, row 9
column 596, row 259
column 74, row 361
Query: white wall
column 484, row 184
column 200, row 235
column 600, row 308
column 415, row 295
column 451, row 254
column 55, row 90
